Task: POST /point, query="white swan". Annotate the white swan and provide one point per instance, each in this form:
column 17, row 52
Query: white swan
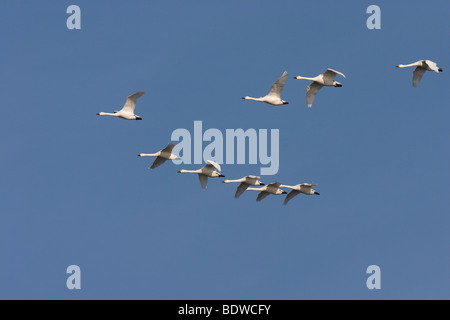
column 305, row 188
column 210, row 170
column 245, row 182
column 421, row 67
column 161, row 156
column 324, row 79
column 274, row 95
column 127, row 111
column 273, row 188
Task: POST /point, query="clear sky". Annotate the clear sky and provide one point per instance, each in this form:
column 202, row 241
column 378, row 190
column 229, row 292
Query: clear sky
column 74, row 192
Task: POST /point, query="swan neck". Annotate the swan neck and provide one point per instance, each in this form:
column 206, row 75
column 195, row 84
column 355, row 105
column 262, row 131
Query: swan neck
column 149, row 154
column 108, row 114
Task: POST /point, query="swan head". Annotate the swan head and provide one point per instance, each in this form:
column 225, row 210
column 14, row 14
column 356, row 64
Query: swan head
column 245, row 98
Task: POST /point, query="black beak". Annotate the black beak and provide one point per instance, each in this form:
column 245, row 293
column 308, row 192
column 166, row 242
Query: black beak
column 179, row 171
column 284, row 192
column 285, row 102
column 317, row 193
column 262, row 184
column 440, row 70
column 138, row 118
column 221, row 175
column 339, row 85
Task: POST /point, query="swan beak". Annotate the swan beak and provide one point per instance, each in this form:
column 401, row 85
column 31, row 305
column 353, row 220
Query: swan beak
column 138, row 118
column 284, row 192
column 262, row 184
column 339, row 85
column 139, row 155
column 244, row 98
column 285, row 102
column 179, row 171
column 315, row 192
column 398, row 66
column 440, row 70
column 296, row 77
column 221, row 175
column 98, row 113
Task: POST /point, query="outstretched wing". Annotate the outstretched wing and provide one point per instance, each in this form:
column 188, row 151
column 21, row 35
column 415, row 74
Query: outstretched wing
column 168, row 149
column 262, row 195
column 417, row 75
column 432, row 65
column 158, row 161
column 311, row 92
column 212, row 165
column 278, row 85
column 275, row 185
column 203, row 180
column 130, row 103
column 241, row 189
column 290, row 195
column 330, row 74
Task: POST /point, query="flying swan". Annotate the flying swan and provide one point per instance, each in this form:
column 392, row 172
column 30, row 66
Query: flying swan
column 127, row 111
column 274, row 95
column 421, row 67
column 273, row 188
column 245, row 182
column 324, row 79
column 210, row 170
column 161, row 156
column 304, row 188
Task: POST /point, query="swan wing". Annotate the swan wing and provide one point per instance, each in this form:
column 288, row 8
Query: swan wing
column 168, row 149
column 278, row 85
column 274, row 185
column 311, row 92
column 212, row 165
column 130, row 103
column 330, row 74
column 417, row 75
column 262, row 195
column 309, row 184
column 290, row 195
column 241, row 189
column 158, row 161
column 432, row 65
column 203, row 180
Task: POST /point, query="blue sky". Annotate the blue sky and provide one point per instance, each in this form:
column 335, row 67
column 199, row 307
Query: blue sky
column 73, row 190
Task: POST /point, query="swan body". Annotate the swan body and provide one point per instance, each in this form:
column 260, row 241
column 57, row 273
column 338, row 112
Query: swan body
column 161, row 156
column 210, row 170
column 274, row 95
column 421, row 67
column 273, row 188
column 325, row 79
column 127, row 112
column 244, row 183
column 305, row 188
